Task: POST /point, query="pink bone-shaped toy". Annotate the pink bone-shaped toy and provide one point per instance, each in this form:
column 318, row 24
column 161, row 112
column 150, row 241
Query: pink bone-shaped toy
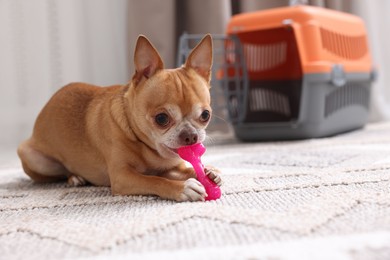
column 192, row 154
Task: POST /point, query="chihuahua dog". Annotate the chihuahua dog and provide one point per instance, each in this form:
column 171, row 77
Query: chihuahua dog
column 127, row 136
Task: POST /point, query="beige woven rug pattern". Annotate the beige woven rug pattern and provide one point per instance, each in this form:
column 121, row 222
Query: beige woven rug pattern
column 325, row 198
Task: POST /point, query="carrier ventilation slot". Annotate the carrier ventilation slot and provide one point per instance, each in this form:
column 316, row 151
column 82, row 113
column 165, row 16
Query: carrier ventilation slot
column 268, row 100
column 233, row 106
column 347, row 47
column 265, row 56
column 231, row 52
column 350, row 94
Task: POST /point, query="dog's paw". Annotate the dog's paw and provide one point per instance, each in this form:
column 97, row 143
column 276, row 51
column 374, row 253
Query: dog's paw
column 213, row 174
column 193, row 191
column 76, row 181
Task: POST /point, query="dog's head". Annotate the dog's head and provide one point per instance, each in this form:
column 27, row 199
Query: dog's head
column 170, row 108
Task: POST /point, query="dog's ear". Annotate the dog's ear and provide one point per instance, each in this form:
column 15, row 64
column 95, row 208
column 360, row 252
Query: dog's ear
column 201, row 58
column 147, row 61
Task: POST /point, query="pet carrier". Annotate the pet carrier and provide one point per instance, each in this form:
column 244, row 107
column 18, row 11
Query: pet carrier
column 307, row 73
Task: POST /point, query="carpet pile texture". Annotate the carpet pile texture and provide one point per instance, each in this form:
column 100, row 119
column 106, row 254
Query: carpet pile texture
column 323, row 198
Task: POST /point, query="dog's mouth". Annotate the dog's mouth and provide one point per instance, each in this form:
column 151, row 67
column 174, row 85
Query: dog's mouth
column 173, row 150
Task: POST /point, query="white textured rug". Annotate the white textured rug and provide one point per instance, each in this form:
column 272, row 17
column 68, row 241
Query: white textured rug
column 314, row 199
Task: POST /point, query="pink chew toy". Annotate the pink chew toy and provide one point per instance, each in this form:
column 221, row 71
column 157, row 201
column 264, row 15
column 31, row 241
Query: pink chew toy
column 192, row 154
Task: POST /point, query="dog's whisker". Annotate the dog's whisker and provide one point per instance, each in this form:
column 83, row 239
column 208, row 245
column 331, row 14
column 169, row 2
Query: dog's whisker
column 222, row 118
column 209, row 140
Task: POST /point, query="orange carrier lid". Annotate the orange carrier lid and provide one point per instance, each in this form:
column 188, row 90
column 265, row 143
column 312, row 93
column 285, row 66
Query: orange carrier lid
column 319, row 38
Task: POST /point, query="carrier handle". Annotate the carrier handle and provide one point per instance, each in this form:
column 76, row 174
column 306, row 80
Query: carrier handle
column 338, row 76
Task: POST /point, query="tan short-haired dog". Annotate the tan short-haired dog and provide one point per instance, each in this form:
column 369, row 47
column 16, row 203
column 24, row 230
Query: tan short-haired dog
column 127, row 136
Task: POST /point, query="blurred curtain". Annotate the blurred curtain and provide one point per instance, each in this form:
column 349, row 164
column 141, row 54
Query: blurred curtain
column 48, row 43
column 45, row 44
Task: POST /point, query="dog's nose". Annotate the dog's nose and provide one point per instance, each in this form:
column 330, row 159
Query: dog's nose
column 187, row 137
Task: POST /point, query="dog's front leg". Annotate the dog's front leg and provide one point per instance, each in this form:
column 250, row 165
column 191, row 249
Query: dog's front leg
column 127, row 181
column 180, row 172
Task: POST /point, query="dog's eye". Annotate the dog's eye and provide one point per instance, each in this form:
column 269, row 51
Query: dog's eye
column 162, row 119
column 205, row 116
